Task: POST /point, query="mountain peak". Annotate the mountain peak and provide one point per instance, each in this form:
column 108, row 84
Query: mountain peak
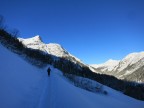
column 111, row 61
column 34, row 40
column 50, row 48
column 37, row 38
column 108, row 65
column 130, row 59
column 135, row 55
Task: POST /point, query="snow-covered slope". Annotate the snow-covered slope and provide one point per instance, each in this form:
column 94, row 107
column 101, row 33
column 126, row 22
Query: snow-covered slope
column 132, row 66
column 25, row 86
column 21, row 84
column 51, row 48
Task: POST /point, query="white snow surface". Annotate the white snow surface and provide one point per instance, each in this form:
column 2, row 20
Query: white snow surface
column 108, row 65
column 51, row 48
column 25, row 86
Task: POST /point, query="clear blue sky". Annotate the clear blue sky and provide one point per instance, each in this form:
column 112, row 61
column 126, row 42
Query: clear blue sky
column 92, row 30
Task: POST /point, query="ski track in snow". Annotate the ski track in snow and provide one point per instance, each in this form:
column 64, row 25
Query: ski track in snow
column 48, row 96
column 44, row 95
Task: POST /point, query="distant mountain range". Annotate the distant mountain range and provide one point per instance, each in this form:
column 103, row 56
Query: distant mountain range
column 130, row 68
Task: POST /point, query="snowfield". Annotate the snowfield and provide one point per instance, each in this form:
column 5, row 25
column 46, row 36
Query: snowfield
column 25, row 86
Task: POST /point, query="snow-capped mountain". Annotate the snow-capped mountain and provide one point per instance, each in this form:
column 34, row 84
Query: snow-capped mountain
column 108, row 65
column 130, row 68
column 51, row 48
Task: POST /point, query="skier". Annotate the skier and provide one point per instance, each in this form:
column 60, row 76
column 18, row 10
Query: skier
column 48, row 70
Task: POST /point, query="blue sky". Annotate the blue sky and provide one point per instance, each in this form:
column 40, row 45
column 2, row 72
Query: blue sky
column 92, row 30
